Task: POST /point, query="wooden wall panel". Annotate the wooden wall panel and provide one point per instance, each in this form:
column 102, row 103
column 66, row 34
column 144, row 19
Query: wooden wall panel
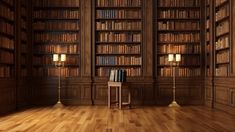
column 7, row 96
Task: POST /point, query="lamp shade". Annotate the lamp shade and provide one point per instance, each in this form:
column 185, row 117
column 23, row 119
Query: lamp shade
column 178, row 57
column 55, row 57
column 63, row 57
column 170, row 57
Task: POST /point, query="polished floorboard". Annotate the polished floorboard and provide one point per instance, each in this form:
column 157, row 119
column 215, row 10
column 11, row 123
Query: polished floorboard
column 102, row 119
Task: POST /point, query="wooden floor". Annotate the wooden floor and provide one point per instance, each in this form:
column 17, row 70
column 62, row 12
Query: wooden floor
column 102, row 119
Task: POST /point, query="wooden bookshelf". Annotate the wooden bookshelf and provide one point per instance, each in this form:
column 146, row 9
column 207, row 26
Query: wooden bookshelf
column 56, row 29
column 222, row 37
column 118, row 36
column 177, row 30
column 208, row 41
column 7, row 39
column 24, row 42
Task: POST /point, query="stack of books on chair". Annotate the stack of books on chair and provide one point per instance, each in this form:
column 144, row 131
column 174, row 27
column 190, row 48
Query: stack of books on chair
column 117, row 75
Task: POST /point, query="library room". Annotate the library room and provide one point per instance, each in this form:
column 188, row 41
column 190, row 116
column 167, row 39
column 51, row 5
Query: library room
column 117, row 65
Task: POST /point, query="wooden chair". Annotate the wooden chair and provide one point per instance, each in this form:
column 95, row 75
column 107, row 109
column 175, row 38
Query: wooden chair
column 118, row 86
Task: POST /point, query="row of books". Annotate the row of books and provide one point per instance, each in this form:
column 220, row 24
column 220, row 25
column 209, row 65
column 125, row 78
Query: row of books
column 119, row 14
column 118, row 37
column 48, row 60
column 180, row 72
column 178, row 25
column 179, row 37
column 68, row 25
column 6, row 12
column 222, row 57
column 118, row 25
column 179, row 3
column 6, row 28
column 118, row 49
column 117, row 75
column 130, row 72
column 57, row 14
column 57, row 37
column 5, row 71
column 72, row 48
column 222, row 43
column 10, row 2
column 222, row 71
column 6, row 57
column 222, row 28
column 118, row 3
column 222, row 13
column 6, row 42
column 185, row 60
column 57, row 3
column 179, row 13
column 218, row 2
column 54, row 72
column 118, row 60
column 183, row 49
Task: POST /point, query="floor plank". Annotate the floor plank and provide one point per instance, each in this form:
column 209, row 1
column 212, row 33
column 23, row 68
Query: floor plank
column 102, row 119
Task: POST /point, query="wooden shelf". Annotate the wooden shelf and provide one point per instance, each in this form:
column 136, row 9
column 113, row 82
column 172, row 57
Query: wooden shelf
column 7, row 5
column 7, row 35
column 176, row 31
column 117, row 7
column 118, row 42
column 55, row 19
column 222, row 35
column 223, row 19
column 56, row 30
column 55, row 8
column 178, row 19
column 53, row 43
column 222, row 49
column 179, row 7
column 131, row 30
column 118, row 54
column 222, row 4
column 118, row 65
column 6, row 20
column 122, row 19
column 7, row 49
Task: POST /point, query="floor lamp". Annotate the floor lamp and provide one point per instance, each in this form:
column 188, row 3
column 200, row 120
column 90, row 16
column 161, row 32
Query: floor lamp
column 59, row 60
column 174, row 59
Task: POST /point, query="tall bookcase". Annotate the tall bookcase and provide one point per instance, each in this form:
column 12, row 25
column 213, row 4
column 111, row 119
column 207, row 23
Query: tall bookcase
column 178, row 24
column 222, row 37
column 118, row 37
column 56, row 29
column 24, row 42
column 208, row 41
column 7, row 39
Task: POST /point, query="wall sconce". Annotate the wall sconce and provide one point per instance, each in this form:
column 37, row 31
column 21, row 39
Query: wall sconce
column 59, row 60
column 174, row 59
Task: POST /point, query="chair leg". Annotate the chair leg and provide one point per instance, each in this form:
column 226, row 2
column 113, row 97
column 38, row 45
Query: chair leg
column 120, row 97
column 109, row 97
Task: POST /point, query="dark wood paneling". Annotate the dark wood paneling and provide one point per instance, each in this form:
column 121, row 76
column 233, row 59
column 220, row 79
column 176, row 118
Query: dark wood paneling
column 188, row 91
column 224, row 94
column 7, row 96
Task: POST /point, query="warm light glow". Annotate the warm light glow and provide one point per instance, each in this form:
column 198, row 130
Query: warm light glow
column 178, row 57
column 55, row 57
column 63, row 57
column 170, row 57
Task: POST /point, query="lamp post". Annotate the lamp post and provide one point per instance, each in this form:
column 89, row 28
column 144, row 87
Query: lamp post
column 174, row 59
column 59, row 60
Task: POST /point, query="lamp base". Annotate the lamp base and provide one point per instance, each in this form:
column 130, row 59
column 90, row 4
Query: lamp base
column 174, row 104
column 58, row 105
